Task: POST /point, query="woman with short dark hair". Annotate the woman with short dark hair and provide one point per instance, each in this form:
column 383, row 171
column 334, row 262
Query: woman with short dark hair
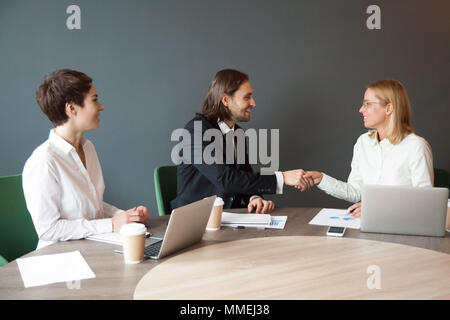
column 62, row 180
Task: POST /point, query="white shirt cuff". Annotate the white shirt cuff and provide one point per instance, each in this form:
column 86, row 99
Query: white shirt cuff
column 280, row 182
column 103, row 225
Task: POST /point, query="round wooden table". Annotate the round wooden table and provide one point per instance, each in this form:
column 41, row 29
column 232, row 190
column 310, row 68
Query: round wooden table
column 300, row 267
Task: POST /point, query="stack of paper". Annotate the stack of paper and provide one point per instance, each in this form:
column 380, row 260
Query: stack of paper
column 245, row 218
column 52, row 268
column 259, row 221
column 111, row 237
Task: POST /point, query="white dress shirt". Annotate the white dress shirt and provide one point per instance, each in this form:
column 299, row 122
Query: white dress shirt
column 408, row 163
column 280, row 180
column 64, row 198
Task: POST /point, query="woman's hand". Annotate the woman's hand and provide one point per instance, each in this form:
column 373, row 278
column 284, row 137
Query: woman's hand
column 313, row 178
column 143, row 213
column 355, row 210
column 316, row 176
column 139, row 215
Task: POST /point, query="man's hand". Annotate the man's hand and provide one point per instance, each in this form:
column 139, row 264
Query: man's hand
column 261, row 205
column 139, row 214
column 297, row 178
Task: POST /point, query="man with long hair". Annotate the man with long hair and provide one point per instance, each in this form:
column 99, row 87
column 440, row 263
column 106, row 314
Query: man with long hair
column 229, row 100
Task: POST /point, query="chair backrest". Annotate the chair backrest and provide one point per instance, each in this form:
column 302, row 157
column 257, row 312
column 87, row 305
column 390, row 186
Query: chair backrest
column 441, row 178
column 17, row 233
column 165, row 187
column 2, row 261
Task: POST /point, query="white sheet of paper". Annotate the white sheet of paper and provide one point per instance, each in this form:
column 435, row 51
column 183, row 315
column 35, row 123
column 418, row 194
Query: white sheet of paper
column 337, row 218
column 53, row 268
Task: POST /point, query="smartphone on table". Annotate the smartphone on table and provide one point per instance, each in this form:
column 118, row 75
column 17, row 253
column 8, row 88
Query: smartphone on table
column 335, row 231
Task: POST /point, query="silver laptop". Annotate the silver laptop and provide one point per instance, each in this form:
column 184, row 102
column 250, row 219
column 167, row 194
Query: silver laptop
column 404, row 210
column 186, row 227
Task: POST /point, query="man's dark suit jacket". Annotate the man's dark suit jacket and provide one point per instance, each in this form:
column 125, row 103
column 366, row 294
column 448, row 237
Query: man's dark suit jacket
column 234, row 183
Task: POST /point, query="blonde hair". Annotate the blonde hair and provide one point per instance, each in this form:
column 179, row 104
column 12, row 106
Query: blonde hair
column 393, row 92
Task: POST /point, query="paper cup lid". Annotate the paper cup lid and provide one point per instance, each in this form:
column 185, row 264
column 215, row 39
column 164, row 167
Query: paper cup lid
column 218, row 202
column 133, row 229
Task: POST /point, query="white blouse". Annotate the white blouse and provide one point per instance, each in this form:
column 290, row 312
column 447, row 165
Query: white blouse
column 408, row 163
column 64, row 198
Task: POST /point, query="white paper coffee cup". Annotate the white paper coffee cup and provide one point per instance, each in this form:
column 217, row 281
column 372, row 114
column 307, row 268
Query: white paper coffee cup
column 133, row 239
column 215, row 218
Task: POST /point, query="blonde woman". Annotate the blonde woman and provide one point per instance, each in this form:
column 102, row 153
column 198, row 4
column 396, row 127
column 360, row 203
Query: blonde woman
column 389, row 154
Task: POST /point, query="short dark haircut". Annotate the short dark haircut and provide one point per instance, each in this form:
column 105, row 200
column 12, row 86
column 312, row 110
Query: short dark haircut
column 59, row 88
column 226, row 81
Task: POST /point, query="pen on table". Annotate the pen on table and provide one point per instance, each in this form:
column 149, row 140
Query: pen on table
column 351, row 212
column 248, row 227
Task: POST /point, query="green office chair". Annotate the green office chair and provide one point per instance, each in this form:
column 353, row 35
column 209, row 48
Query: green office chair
column 165, row 187
column 17, row 233
column 441, row 178
column 2, row 261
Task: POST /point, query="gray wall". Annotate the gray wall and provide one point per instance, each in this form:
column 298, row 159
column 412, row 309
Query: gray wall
column 152, row 62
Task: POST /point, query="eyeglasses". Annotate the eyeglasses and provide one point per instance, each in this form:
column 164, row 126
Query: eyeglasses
column 369, row 103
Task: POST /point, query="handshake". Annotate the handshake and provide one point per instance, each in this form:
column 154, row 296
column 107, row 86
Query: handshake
column 302, row 180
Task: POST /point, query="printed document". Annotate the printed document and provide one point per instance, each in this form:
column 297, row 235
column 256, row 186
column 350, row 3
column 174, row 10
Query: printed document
column 336, row 218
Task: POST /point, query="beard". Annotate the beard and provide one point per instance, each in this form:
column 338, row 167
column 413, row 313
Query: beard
column 245, row 116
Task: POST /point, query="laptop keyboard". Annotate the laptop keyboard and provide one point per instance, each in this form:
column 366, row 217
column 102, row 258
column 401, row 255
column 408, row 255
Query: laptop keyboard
column 153, row 249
